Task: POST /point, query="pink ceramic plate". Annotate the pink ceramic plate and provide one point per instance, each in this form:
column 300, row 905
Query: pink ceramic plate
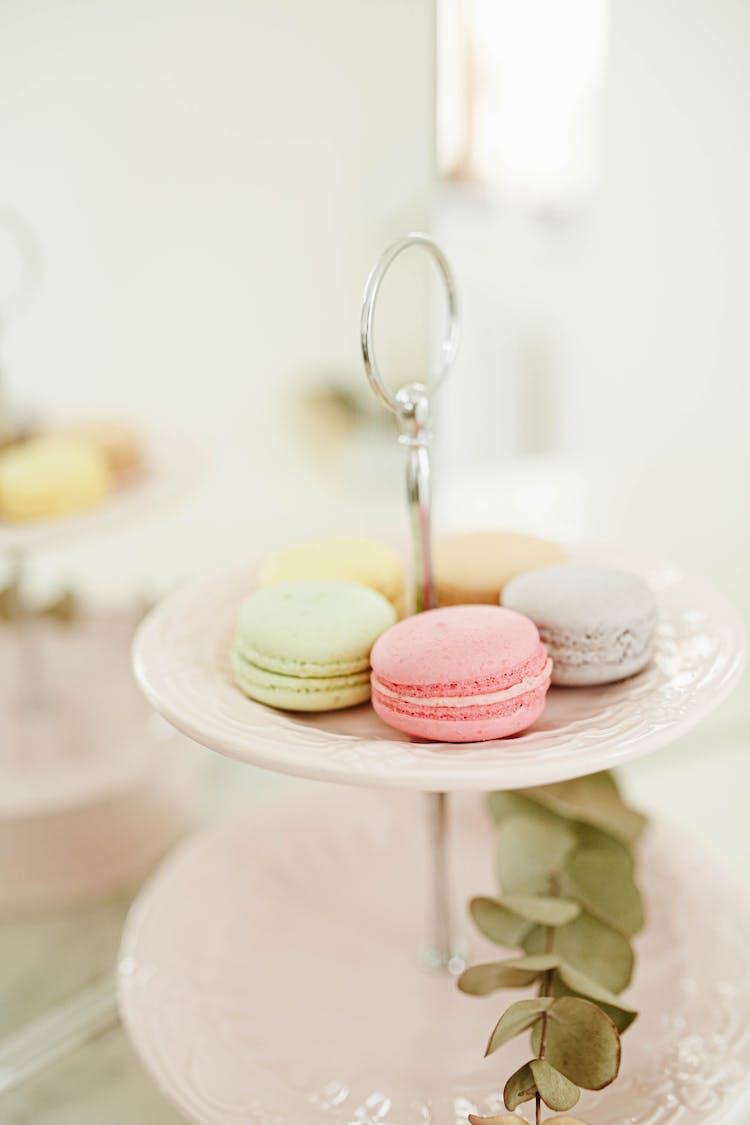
column 269, row 975
column 182, row 664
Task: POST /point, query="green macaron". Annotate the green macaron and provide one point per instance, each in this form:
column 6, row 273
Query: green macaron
column 305, row 646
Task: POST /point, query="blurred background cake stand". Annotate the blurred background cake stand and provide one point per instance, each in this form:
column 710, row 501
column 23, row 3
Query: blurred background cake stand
column 92, row 790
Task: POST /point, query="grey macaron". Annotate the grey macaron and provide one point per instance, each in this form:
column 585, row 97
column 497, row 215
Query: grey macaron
column 598, row 624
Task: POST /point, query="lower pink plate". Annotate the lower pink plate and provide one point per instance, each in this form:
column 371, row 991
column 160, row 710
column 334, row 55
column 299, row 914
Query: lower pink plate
column 269, row 974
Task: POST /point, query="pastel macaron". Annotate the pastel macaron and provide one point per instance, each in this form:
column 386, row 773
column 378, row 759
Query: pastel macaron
column 460, row 674
column 305, row 646
column 598, row 624
column 349, row 559
column 473, row 567
column 46, row 477
column 119, row 442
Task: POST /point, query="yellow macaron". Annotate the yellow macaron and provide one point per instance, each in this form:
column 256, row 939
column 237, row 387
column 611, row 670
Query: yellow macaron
column 51, row 476
column 471, row 568
column 365, row 561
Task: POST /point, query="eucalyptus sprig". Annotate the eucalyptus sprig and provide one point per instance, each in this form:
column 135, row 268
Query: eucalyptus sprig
column 570, row 903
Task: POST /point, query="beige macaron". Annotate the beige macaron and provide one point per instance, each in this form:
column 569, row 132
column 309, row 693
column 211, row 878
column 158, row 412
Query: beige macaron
column 471, row 568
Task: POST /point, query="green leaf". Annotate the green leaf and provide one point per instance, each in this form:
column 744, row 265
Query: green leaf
column 544, row 910
column 498, row 923
column 581, row 1042
column 555, row 1090
column 508, row 1119
column 519, row 1017
column 512, row 802
column 520, row 1087
column 519, row 972
column 596, row 839
column 590, row 946
column 603, row 882
column 594, row 799
column 568, row 981
column 529, row 851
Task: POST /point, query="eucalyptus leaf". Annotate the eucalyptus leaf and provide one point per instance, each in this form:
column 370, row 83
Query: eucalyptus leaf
column 529, row 852
column 581, row 1042
column 556, row 1091
column 591, row 946
column 508, row 1119
column 603, row 882
column 542, row 909
column 594, row 799
column 498, row 923
column 590, row 837
column 568, row 981
column 513, row 802
column 519, row 1017
column 518, row 972
column 520, row 1087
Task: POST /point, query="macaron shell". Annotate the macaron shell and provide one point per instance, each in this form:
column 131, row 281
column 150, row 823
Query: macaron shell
column 350, row 559
column 599, row 624
column 312, row 628
column 473, row 567
column 48, row 477
column 460, row 650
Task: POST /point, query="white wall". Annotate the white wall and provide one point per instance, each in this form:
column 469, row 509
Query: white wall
column 211, row 182
column 623, row 332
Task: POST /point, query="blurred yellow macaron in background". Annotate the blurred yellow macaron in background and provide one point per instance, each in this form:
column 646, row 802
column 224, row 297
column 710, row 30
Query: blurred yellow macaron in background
column 119, row 442
column 471, row 568
column 349, row 559
column 51, row 476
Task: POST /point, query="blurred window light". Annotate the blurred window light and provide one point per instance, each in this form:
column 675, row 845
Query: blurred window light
column 519, row 96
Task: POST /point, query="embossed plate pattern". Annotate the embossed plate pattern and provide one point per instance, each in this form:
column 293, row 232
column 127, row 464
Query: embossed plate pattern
column 268, row 975
column 182, row 664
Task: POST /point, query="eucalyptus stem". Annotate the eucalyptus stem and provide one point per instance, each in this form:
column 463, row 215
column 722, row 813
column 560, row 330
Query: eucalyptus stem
column 546, row 988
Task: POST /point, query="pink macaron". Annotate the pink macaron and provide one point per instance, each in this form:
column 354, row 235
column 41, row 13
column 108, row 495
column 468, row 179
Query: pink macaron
column 466, row 673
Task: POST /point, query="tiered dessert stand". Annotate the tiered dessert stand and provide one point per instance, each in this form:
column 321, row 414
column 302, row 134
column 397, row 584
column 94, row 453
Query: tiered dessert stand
column 274, row 970
column 93, row 788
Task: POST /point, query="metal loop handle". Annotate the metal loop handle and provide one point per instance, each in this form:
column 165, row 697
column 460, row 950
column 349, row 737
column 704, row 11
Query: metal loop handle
column 401, row 403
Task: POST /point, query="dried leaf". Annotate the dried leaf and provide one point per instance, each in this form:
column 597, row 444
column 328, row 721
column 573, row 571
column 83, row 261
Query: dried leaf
column 498, row 923
column 568, row 981
column 555, row 1090
column 581, row 1042
column 603, row 883
column 594, row 799
column 518, row 972
column 529, row 851
column 520, row 1087
column 590, row 946
column 544, row 910
column 519, row 1017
